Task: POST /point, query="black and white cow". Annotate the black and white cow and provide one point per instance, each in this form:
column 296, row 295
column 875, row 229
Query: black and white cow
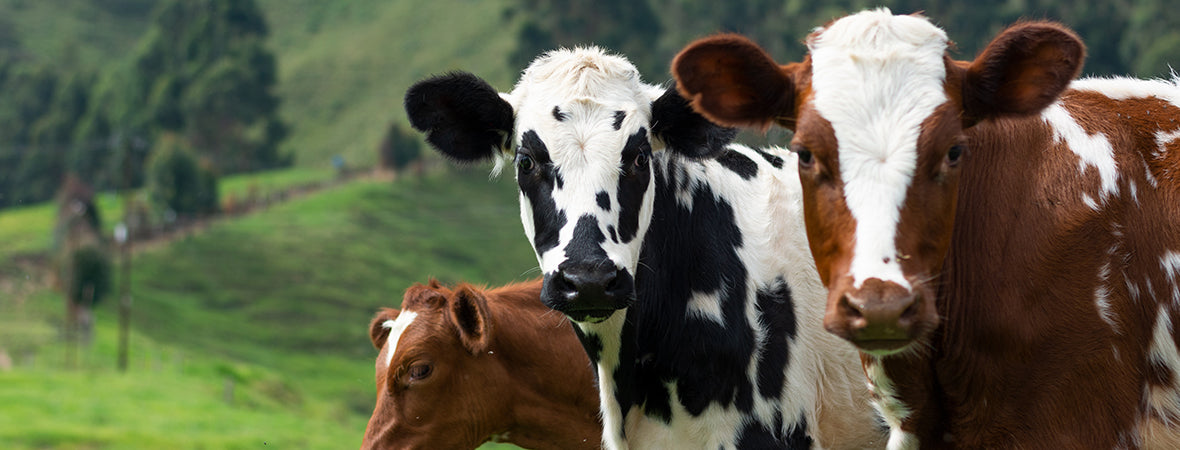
column 682, row 262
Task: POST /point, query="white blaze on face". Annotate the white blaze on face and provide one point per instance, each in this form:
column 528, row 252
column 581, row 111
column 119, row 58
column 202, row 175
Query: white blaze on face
column 876, row 78
column 396, row 329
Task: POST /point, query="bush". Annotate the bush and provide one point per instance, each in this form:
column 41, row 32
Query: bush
column 89, row 276
column 179, row 182
column 399, row 149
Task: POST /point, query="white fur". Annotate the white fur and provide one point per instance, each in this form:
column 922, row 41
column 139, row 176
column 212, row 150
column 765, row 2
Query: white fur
column 1123, row 88
column 1162, row 140
column 1164, row 400
column 396, row 329
column 1170, row 264
column 612, row 415
column 705, row 306
column 1093, row 150
column 888, row 405
column 876, row 77
column 1102, row 297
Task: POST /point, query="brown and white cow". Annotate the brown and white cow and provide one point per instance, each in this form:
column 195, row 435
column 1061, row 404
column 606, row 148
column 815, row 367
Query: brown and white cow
column 1001, row 244
column 461, row 366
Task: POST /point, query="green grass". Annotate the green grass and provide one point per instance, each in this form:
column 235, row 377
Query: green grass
column 273, row 181
column 29, row 229
column 344, row 66
column 276, row 302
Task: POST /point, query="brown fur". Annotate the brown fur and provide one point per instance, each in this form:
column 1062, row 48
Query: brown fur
column 1006, row 252
column 503, row 367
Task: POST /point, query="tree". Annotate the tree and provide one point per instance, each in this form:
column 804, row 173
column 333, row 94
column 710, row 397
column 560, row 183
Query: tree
column 178, row 181
column 204, row 73
column 627, row 27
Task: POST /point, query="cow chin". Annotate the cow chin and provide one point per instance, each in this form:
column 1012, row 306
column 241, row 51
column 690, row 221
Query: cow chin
column 588, row 302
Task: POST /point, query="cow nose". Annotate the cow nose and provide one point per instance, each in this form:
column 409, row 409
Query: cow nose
column 586, row 292
column 880, row 316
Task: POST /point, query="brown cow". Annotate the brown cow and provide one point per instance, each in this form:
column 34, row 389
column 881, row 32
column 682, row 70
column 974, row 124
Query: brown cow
column 1002, row 245
column 461, row 366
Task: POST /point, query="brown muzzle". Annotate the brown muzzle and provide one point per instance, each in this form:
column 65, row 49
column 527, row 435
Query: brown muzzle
column 880, row 317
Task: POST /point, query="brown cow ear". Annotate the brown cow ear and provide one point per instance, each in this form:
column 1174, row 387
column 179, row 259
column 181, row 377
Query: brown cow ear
column 1023, row 70
column 468, row 310
column 378, row 332
column 733, row 82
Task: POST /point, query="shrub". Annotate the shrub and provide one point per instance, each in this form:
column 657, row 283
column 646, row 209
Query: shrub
column 179, row 182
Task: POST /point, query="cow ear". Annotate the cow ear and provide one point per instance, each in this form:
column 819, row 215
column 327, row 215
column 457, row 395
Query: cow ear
column 683, row 130
column 378, row 332
column 733, row 82
column 463, row 117
column 1023, row 70
column 468, row 310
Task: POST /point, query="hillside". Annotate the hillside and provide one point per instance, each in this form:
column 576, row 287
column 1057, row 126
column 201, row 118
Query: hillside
column 345, row 65
column 256, row 326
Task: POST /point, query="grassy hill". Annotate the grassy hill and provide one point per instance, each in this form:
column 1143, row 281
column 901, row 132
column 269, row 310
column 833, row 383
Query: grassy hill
column 257, row 326
column 345, row 65
column 253, row 332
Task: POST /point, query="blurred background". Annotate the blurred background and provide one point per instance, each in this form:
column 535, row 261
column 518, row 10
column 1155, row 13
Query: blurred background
column 203, row 202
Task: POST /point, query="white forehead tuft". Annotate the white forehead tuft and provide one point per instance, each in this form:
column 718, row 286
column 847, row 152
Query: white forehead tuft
column 876, row 78
column 564, row 75
column 396, row 329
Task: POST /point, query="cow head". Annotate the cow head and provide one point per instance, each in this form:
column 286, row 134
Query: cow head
column 880, row 113
column 433, row 389
column 582, row 129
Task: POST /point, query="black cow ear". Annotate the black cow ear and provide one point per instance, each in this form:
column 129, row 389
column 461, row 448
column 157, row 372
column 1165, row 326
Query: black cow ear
column 463, row 117
column 683, row 130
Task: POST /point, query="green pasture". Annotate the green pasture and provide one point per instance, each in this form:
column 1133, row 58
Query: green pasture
column 253, row 333
column 344, row 66
column 29, row 229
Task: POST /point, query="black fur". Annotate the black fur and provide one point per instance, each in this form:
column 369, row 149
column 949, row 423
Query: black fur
column 463, row 117
column 738, row 163
column 537, row 187
column 632, row 185
column 687, row 251
column 683, row 130
column 775, row 161
column 603, row 200
column 761, row 436
column 775, row 305
column 593, row 345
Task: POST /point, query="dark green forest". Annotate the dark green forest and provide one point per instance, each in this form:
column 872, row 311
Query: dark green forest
column 204, row 72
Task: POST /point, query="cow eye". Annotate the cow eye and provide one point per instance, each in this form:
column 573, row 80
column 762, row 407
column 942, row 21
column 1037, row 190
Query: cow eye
column 641, row 160
column 420, row 371
column 806, row 160
column 954, row 154
column 524, row 163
